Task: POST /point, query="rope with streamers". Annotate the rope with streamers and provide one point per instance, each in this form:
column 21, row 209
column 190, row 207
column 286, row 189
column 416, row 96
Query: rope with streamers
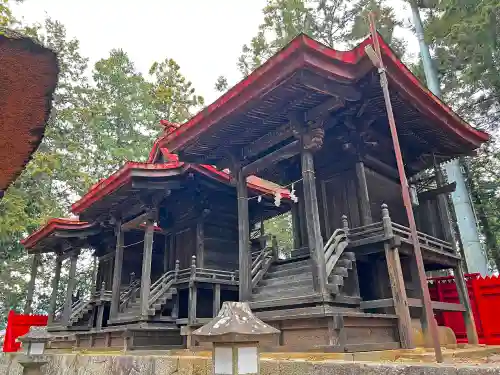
column 277, row 195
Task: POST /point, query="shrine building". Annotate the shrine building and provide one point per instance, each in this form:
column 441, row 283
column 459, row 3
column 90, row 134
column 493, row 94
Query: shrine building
column 306, row 135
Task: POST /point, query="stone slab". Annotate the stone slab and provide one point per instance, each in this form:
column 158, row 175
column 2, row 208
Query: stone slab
column 167, row 364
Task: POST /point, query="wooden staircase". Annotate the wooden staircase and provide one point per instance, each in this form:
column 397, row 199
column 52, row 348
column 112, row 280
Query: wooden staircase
column 289, row 282
column 161, row 295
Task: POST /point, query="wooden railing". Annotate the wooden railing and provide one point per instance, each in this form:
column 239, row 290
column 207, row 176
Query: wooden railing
column 161, row 286
column 128, row 294
column 77, row 308
column 425, row 240
column 263, row 261
column 387, row 229
column 334, row 249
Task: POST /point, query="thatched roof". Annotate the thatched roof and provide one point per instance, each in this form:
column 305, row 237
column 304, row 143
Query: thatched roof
column 28, row 78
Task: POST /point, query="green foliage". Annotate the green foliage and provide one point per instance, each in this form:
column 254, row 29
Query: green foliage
column 281, row 227
column 336, row 23
column 221, row 84
column 94, row 128
column 465, row 40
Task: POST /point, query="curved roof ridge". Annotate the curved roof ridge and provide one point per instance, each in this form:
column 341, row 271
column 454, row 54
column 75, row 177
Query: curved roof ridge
column 191, row 128
column 50, row 226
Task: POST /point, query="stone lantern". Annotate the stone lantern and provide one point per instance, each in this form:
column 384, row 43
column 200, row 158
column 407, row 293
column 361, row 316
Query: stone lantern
column 33, row 345
column 236, row 334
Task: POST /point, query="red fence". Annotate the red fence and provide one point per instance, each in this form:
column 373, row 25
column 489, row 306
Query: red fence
column 484, row 295
column 18, row 325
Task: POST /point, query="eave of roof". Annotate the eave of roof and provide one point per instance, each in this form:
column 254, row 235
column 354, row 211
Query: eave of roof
column 53, row 225
column 309, row 53
column 29, row 78
column 123, row 176
column 115, row 181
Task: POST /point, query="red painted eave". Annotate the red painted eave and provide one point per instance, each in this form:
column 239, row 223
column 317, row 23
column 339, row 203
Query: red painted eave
column 300, row 48
column 122, row 176
column 50, row 227
column 115, row 181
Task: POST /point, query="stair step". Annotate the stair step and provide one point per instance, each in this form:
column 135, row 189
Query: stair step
column 346, row 263
column 341, row 271
column 336, row 279
column 285, row 280
column 270, row 293
column 289, row 264
column 278, row 272
column 285, row 301
column 348, row 255
column 283, row 287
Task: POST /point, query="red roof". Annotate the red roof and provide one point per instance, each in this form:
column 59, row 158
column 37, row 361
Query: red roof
column 123, row 175
column 55, row 224
column 304, row 52
column 51, row 226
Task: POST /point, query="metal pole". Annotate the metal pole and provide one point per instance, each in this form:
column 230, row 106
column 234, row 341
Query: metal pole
column 376, row 57
column 475, row 256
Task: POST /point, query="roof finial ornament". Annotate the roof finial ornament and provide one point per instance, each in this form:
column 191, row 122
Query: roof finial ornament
column 170, row 127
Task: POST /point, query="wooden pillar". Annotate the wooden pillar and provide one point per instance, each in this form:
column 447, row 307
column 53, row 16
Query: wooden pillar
column 296, row 227
column 396, row 279
column 117, row 274
column 100, row 309
column 463, row 296
column 193, row 293
column 166, row 255
column 365, row 213
column 200, row 242
column 71, row 286
column 31, row 286
column 314, row 238
column 216, row 306
column 94, row 273
column 245, row 258
column 326, row 213
column 172, row 252
column 146, row 267
column 444, row 212
column 55, row 288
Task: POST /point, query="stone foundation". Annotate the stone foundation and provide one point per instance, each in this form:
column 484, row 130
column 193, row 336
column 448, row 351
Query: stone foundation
column 163, row 364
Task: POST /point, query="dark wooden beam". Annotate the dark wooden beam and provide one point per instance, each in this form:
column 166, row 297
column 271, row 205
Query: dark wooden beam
column 326, row 86
column 245, row 258
column 135, row 222
column 377, row 304
column 314, row 238
column 144, row 184
column 380, row 167
column 286, row 131
column 433, row 193
column 324, row 109
column 399, row 296
column 463, row 297
column 363, row 196
column 146, row 268
column 117, row 273
column 286, row 152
